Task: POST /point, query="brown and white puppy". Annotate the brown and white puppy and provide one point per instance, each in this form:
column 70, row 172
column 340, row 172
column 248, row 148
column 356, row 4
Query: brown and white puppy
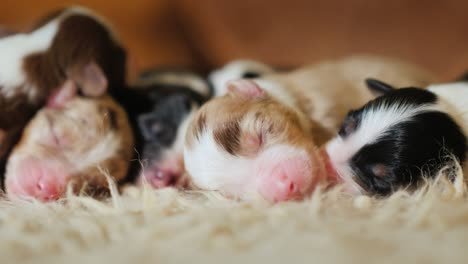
column 69, row 144
column 71, row 44
column 262, row 136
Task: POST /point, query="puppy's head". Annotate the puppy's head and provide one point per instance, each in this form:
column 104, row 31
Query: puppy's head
column 70, row 144
column 247, row 142
column 394, row 141
column 163, row 130
column 70, row 44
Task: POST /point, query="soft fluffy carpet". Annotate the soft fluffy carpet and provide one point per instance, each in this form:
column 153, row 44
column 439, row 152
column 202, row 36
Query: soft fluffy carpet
column 167, row 226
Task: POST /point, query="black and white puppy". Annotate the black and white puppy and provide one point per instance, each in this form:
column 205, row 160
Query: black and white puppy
column 401, row 138
column 159, row 107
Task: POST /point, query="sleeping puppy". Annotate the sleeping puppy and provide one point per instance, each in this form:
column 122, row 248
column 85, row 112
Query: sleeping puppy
column 262, row 136
column 159, row 107
column 71, row 44
column 70, row 143
column 401, row 138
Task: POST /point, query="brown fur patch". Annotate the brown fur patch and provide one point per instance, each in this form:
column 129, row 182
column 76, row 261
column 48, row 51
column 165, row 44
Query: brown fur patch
column 80, row 40
column 200, row 125
column 228, row 136
column 16, row 112
column 112, row 116
column 42, row 72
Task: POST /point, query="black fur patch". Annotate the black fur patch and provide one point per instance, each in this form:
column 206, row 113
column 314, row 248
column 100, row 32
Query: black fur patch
column 378, row 87
column 251, row 75
column 156, row 112
column 463, row 78
column 409, row 150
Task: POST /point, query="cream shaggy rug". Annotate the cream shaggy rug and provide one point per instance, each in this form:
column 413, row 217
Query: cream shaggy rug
column 167, row 226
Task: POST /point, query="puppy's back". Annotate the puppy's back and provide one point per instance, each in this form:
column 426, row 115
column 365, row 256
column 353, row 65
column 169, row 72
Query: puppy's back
column 328, row 90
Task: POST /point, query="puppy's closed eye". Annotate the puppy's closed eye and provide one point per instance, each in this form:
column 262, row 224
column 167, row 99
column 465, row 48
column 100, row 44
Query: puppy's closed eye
column 113, row 119
column 349, row 126
column 251, row 75
column 111, row 116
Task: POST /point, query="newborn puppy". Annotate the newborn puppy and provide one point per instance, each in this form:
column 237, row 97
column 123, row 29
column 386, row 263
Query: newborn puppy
column 261, row 137
column 71, row 44
column 159, row 107
column 400, row 138
column 66, row 145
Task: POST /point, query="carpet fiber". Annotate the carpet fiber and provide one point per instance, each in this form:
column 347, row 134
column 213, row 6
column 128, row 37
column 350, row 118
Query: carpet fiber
column 168, row 226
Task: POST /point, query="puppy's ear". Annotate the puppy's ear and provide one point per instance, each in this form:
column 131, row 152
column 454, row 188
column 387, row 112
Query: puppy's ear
column 251, row 75
column 378, row 88
column 463, row 78
column 90, row 79
column 62, row 95
column 245, row 88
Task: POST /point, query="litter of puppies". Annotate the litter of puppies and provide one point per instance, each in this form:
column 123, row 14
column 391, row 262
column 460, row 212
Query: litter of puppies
column 369, row 124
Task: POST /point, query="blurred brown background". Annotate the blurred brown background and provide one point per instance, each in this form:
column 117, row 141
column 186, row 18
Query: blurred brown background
column 207, row 33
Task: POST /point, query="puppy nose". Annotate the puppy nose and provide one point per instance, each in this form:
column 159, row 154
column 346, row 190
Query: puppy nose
column 48, row 190
column 288, row 178
column 160, row 178
column 282, row 186
column 39, row 180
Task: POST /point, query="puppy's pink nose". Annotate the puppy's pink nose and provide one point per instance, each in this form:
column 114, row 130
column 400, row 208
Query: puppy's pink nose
column 160, row 178
column 288, row 180
column 281, row 186
column 165, row 173
column 47, row 189
column 39, row 180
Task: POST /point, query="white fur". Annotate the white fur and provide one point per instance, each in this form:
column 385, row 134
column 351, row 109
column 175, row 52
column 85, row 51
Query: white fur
column 374, row 124
column 233, row 71
column 212, row 168
column 454, row 98
column 14, row 49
